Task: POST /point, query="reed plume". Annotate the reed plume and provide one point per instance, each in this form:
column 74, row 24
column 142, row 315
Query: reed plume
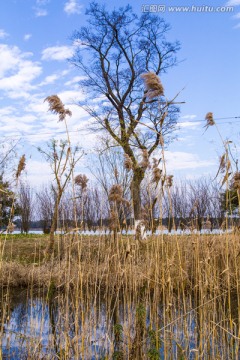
column 157, row 174
column 169, row 180
column 222, row 163
column 156, row 162
column 153, row 85
column 21, row 166
column 128, row 164
column 210, row 120
column 116, row 193
column 114, row 222
column 81, row 181
column 208, row 224
column 145, row 161
column 56, row 107
column 236, row 180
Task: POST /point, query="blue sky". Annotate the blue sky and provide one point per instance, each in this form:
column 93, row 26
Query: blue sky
column 35, row 44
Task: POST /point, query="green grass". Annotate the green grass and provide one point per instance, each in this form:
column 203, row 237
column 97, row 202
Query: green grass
column 22, row 248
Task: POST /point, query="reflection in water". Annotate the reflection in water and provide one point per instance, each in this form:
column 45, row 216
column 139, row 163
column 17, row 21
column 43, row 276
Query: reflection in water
column 114, row 326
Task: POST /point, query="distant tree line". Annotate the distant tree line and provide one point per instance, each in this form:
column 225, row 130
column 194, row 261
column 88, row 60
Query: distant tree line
column 194, row 204
column 105, row 200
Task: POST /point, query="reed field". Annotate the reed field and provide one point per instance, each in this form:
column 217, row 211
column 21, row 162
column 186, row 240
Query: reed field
column 176, row 297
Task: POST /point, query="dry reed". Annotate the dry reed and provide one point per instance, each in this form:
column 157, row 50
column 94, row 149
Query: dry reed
column 128, row 162
column 81, row 181
column 56, row 107
column 210, row 120
column 153, row 85
column 157, row 278
column 21, row 166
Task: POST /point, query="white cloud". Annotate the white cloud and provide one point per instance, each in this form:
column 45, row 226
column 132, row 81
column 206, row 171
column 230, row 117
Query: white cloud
column 237, row 26
column 189, row 124
column 42, row 2
column 65, row 72
column 40, row 12
column 179, row 160
column 16, row 71
column 26, row 119
column 6, row 111
column 37, row 106
column 15, row 127
column 233, row 2
column 189, row 117
column 49, row 79
column 3, row 34
column 74, row 80
column 27, row 37
column 71, row 97
column 39, row 8
column 72, row 7
column 20, row 82
column 57, row 53
column 9, row 58
column 32, row 168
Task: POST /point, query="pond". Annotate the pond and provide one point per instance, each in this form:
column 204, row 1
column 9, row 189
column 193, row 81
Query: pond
column 105, row 324
column 131, row 232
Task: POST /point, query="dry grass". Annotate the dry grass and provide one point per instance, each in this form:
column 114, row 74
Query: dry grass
column 176, row 295
column 57, row 107
column 190, row 262
column 153, row 85
column 23, row 249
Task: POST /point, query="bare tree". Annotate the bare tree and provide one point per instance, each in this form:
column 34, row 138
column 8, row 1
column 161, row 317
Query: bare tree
column 98, row 206
column 149, row 194
column 62, row 159
column 119, row 48
column 58, row 157
column 216, row 213
column 180, row 204
column 109, row 170
column 25, row 204
column 199, row 197
column 45, row 207
column 92, row 208
column 66, row 218
column 8, row 151
column 109, row 167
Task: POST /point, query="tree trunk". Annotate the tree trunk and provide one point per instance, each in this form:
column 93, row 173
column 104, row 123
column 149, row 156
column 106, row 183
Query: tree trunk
column 139, row 224
column 170, row 223
column 50, row 246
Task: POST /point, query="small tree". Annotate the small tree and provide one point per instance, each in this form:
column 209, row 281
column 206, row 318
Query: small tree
column 109, row 170
column 62, row 159
column 6, row 202
column 7, row 154
column 199, row 197
column 180, row 204
column 57, row 156
column 45, row 206
column 25, row 203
